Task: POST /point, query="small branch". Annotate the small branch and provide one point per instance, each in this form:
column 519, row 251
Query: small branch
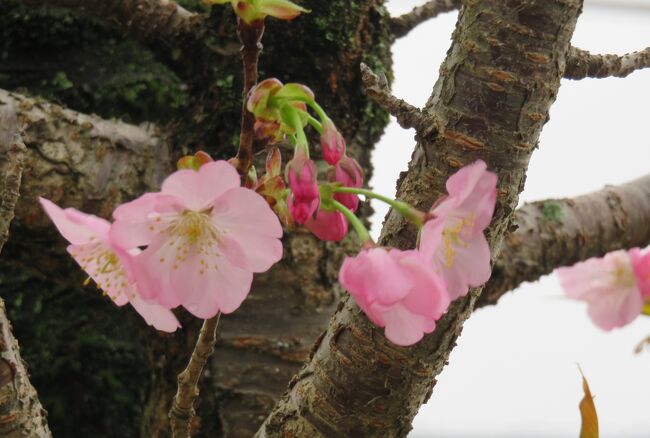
column 407, row 115
column 182, row 411
column 582, row 64
column 250, row 36
column 563, row 232
column 11, row 174
column 402, row 25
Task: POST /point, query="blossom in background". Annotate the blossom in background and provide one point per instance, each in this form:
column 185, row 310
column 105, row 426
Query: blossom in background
column 610, row 285
column 301, row 174
column 252, row 10
column 348, row 172
column 329, row 226
column 398, row 290
column 206, row 237
column 453, row 239
column 107, row 264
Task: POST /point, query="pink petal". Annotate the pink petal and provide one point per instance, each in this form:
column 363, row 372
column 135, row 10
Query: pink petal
column 156, row 315
column 251, row 251
column 615, row 309
column 132, row 226
column 402, row 327
column 245, row 211
column 152, row 270
column 471, row 266
column 76, row 227
column 328, row 226
column 197, row 190
column 429, row 296
column 431, row 237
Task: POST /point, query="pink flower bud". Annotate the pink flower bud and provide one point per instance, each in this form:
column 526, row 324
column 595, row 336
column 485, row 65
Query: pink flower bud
column 328, row 226
column 282, row 9
column 348, row 172
column 301, row 174
column 332, row 142
column 302, row 209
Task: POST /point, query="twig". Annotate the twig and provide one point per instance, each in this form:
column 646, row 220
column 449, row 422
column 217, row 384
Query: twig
column 582, row 64
column 407, row 115
column 563, row 232
column 182, row 411
column 402, row 25
column 250, row 36
column 10, row 190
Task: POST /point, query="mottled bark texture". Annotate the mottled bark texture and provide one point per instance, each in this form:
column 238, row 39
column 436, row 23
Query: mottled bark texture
column 582, row 64
column 12, row 160
column 119, row 375
column 405, row 23
column 21, row 413
column 496, row 86
column 562, row 232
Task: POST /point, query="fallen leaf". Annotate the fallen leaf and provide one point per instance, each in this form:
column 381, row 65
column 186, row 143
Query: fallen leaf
column 589, row 427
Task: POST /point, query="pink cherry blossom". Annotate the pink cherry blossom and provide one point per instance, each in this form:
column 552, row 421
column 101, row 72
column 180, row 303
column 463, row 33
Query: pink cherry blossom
column 348, row 172
column 398, row 290
column 641, row 265
column 301, row 173
column 608, row 285
column 107, row 264
column 329, row 226
column 206, row 237
column 332, row 142
column 454, row 239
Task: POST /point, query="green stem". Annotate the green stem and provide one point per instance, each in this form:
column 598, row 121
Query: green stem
column 297, row 125
column 646, row 309
column 313, row 122
column 410, row 213
column 356, row 223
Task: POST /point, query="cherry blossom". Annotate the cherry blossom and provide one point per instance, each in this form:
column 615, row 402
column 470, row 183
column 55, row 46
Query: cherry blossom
column 398, row 290
column 328, row 226
column 453, row 240
column 609, row 286
column 206, row 237
column 107, row 264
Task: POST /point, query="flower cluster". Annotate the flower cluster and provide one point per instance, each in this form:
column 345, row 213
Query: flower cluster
column 616, row 287
column 203, row 237
column 281, row 112
column 408, row 291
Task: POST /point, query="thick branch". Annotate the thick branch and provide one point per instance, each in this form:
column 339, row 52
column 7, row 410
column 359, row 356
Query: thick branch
column 563, row 232
column 582, row 64
column 407, row 115
column 182, row 410
column 10, row 176
column 496, row 86
column 402, row 25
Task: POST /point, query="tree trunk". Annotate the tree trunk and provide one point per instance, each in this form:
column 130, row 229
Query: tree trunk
column 98, row 370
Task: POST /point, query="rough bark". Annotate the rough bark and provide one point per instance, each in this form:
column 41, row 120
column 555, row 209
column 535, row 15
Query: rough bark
column 582, row 64
column 11, row 172
column 496, row 86
column 261, row 345
column 21, row 413
column 562, row 232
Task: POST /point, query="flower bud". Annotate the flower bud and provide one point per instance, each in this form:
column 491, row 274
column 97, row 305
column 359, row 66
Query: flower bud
column 301, row 174
column 348, row 172
column 332, row 142
column 329, row 226
column 282, row 9
column 258, row 99
column 194, row 162
column 302, row 209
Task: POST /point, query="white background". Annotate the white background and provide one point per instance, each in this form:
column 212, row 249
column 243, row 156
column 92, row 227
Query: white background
column 514, row 371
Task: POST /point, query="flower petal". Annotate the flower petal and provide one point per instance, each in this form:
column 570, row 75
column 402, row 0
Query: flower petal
column 245, row 211
column 76, row 227
column 156, row 315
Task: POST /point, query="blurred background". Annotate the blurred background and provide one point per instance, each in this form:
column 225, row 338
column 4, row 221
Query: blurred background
column 514, row 372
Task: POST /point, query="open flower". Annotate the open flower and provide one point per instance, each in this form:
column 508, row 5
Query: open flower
column 398, row 290
column 453, row 240
column 107, row 264
column 206, row 237
column 641, row 265
column 609, row 286
column 329, row 226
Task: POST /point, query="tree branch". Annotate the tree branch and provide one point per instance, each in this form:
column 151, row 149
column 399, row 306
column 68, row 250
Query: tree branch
column 407, row 115
column 10, row 173
column 582, row 64
column 182, row 410
column 402, row 25
column 562, row 232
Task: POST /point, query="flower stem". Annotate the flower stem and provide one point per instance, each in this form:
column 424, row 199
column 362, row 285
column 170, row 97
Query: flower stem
column 410, row 213
column 296, row 122
column 250, row 36
column 646, row 309
column 356, row 223
column 182, row 411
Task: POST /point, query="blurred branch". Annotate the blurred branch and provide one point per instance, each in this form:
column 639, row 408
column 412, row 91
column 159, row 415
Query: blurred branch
column 582, row 64
column 562, row 232
column 402, row 25
column 407, row 115
column 11, row 175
